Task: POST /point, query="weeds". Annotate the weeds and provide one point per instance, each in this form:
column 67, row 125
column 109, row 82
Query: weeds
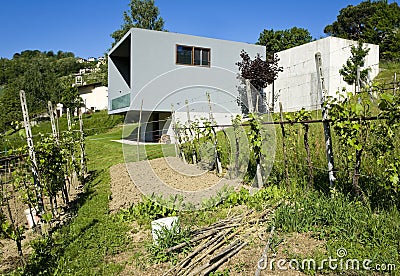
column 344, row 223
column 167, row 238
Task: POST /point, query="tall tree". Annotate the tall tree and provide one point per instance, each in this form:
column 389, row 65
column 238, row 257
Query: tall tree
column 70, row 98
column 373, row 22
column 357, row 60
column 143, row 14
column 280, row 40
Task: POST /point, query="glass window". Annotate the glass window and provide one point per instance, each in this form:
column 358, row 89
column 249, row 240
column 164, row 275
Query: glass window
column 205, row 57
column 184, row 55
column 197, row 55
column 190, row 55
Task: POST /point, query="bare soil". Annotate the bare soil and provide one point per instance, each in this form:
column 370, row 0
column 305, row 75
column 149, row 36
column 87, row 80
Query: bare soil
column 171, row 171
column 136, row 260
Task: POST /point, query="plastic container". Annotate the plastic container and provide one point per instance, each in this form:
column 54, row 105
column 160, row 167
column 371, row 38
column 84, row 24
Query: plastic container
column 29, row 216
column 157, row 225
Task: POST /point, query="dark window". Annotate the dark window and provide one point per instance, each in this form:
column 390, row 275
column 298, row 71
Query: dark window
column 205, row 57
column 197, row 54
column 184, row 55
column 190, row 55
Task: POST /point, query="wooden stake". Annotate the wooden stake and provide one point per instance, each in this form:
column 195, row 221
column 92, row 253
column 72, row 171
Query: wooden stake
column 327, row 128
column 257, row 99
column 69, row 119
column 284, row 147
column 210, row 116
column 217, row 157
column 53, row 123
column 57, row 143
column 309, row 163
column 249, row 96
column 187, row 112
column 82, row 146
column 173, row 122
column 139, row 124
column 32, row 154
column 264, row 255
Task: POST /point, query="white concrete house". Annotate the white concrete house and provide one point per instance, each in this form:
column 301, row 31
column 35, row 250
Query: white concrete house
column 165, row 69
column 297, row 86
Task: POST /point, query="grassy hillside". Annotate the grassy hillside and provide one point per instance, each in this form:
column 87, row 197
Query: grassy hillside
column 387, row 71
column 98, row 122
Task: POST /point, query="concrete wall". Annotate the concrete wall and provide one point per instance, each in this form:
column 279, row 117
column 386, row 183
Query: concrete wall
column 297, row 85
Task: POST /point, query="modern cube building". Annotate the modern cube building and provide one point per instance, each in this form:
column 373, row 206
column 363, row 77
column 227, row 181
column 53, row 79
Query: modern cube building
column 159, row 71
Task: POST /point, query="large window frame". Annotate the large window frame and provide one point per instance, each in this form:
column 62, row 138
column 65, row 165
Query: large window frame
column 199, row 56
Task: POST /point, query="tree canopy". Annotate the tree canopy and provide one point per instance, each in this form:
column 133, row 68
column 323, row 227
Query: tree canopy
column 142, row 14
column 260, row 72
column 41, row 75
column 374, row 22
column 280, row 40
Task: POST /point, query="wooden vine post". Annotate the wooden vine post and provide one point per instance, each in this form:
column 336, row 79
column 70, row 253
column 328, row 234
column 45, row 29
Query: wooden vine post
column 83, row 172
column 309, row 163
column 57, row 143
column 327, row 129
column 284, row 147
column 173, row 121
column 249, row 96
column 212, row 121
column 217, row 157
column 236, row 123
column 74, row 174
column 32, row 154
column 189, row 133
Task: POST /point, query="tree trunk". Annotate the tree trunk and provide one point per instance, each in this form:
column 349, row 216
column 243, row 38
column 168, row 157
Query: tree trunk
column 20, row 253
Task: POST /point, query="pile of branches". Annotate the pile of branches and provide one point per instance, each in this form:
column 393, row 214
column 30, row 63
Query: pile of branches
column 217, row 243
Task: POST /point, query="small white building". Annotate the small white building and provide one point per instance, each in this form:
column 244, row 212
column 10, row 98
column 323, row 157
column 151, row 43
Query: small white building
column 94, row 97
column 297, row 86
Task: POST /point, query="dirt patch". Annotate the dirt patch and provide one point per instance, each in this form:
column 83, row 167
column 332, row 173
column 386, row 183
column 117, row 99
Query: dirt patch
column 123, row 192
column 245, row 262
column 171, row 171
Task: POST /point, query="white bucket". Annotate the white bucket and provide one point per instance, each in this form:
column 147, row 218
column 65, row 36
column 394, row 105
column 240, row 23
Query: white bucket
column 29, row 216
column 157, row 225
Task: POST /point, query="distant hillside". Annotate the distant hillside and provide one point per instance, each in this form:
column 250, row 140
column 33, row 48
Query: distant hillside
column 44, row 76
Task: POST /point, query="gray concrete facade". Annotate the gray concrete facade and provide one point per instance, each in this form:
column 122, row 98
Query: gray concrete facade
column 297, row 86
column 143, row 65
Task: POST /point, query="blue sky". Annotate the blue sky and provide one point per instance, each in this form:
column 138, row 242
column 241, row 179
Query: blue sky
column 84, row 27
